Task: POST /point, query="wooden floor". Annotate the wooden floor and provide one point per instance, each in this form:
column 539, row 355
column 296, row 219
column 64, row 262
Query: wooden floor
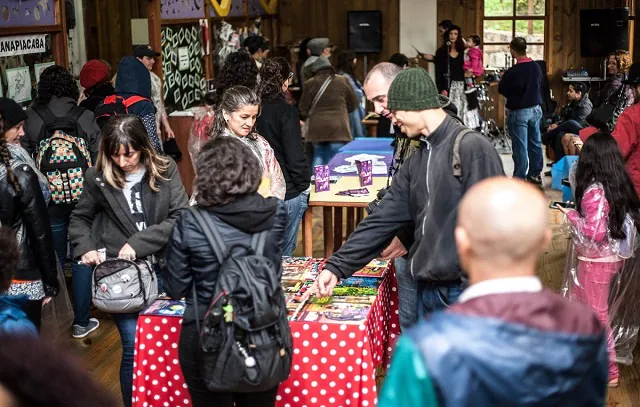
column 101, row 351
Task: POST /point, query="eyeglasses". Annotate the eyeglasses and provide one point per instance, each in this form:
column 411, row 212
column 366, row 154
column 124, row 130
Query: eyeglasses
column 290, row 75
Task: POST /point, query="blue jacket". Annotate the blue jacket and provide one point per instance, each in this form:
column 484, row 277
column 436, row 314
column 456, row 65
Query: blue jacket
column 473, row 360
column 13, row 319
column 133, row 79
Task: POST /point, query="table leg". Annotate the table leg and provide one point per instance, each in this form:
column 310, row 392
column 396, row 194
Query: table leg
column 350, row 221
column 337, row 228
column 307, row 233
column 327, row 223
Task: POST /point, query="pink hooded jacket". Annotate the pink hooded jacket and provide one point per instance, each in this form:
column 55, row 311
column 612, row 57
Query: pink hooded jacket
column 473, row 61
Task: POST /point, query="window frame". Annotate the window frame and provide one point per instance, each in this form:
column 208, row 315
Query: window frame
column 513, row 18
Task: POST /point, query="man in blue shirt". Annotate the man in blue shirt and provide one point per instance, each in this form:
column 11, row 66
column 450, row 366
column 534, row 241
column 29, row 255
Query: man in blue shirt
column 521, row 86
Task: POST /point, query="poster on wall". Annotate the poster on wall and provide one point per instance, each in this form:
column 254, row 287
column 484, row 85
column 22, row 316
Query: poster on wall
column 22, row 45
column 41, row 67
column 182, row 65
column 19, row 84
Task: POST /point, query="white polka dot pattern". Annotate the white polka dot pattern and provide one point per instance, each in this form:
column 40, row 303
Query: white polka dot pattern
column 333, row 364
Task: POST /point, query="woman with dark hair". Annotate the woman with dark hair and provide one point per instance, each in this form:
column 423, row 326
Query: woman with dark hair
column 57, row 98
column 239, row 69
column 449, row 60
column 279, row 124
column 23, row 209
column 603, row 227
column 347, row 62
column 236, row 116
column 130, row 202
column 303, row 54
column 327, row 123
column 228, row 174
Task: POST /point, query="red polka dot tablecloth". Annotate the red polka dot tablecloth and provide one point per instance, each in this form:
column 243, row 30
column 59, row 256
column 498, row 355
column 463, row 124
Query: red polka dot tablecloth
column 333, row 364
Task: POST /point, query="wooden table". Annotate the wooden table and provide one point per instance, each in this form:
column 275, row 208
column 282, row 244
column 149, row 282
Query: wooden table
column 332, row 206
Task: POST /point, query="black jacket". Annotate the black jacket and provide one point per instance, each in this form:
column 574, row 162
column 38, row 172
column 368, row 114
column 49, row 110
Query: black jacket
column 456, row 70
column 279, row 124
column 190, row 258
column 577, row 111
column 27, row 215
column 102, row 218
column 424, row 192
column 96, row 95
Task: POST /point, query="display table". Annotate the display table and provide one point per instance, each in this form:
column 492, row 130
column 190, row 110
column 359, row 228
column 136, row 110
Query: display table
column 332, row 206
column 333, row 364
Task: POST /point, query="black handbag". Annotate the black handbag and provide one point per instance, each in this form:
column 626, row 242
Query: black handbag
column 605, row 116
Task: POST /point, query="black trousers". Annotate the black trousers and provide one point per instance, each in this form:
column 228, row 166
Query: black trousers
column 200, row 396
column 33, row 309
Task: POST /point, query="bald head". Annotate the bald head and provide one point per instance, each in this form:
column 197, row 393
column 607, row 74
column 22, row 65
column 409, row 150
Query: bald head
column 387, row 70
column 503, row 225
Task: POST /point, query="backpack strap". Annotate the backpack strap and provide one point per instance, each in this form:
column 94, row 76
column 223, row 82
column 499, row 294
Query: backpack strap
column 211, row 233
column 258, row 241
column 132, row 100
column 45, row 114
column 76, row 112
column 456, row 161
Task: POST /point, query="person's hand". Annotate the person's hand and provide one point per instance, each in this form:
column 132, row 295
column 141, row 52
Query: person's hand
column 428, row 57
column 323, row 286
column 46, row 300
column 91, row 258
column 127, row 252
column 394, row 250
column 563, row 209
column 301, row 123
column 552, row 127
column 444, row 93
column 169, row 132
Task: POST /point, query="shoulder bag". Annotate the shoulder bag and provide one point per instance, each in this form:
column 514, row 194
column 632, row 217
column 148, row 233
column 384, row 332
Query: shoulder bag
column 323, row 88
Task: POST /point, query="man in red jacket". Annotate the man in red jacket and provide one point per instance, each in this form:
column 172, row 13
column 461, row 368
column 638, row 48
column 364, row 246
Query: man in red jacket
column 627, row 131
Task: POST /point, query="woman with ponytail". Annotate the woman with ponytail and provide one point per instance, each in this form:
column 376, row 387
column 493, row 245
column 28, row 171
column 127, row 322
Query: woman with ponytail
column 279, row 124
column 24, row 210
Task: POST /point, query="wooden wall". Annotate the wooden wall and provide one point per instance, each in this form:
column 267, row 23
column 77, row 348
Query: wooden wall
column 328, row 18
column 108, row 29
column 563, row 33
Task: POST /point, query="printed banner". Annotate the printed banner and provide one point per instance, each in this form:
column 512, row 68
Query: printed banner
column 23, row 44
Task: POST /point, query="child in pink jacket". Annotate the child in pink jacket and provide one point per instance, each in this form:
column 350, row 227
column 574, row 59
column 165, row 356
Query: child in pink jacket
column 472, row 62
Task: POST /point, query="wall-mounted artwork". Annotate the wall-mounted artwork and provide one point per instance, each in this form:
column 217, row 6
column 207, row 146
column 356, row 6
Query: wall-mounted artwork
column 182, row 65
column 26, row 13
column 174, row 9
column 38, row 68
column 19, row 84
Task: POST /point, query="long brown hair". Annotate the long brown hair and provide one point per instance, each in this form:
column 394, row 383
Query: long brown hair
column 129, row 131
column 5, row 158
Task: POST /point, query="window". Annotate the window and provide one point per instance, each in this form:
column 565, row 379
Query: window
column 506, row 19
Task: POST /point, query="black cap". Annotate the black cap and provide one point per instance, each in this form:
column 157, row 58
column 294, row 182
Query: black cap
column 11, row 112
column 633, row 78
column 145, row 51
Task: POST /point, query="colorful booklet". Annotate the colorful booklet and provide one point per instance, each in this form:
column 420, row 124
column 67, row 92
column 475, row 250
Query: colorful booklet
column 335, row 312
column 365, row 172
column 322, row 178
column 166, row 308
column 371, row 282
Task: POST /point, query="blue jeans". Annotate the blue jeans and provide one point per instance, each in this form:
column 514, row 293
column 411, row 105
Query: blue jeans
column 295, row 209
column 407, row 294
column 126, row 324
column 524, row 128
column 433, row 297
column 81, row 274
column 324, row 152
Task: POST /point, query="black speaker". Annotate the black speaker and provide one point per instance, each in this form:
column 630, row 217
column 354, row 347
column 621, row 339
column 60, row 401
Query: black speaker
column 365, row 31
column 603, row 31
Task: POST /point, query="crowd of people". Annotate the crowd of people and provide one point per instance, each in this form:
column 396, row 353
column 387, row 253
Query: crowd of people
column 85, row 179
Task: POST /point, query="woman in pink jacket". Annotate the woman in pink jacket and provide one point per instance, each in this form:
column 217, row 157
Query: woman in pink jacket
column 603, row 228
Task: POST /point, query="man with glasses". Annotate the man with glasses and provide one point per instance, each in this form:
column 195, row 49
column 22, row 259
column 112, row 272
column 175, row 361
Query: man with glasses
column 425, row 192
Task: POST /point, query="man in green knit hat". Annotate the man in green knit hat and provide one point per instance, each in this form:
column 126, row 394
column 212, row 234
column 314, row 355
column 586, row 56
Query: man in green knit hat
column 425, row 191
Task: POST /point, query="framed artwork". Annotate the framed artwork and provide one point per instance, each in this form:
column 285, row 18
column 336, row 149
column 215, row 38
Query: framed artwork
column 41, row 67
column 19, row 84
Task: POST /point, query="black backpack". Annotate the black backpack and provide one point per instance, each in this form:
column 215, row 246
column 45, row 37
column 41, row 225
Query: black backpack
column 245, row 340
column 63, row 154
column 114, row 105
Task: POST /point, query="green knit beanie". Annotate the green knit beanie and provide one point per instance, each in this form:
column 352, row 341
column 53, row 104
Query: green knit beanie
column 413, row 89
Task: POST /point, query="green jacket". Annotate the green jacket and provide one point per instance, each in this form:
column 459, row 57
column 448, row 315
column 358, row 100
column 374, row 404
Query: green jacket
column 408, row 382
